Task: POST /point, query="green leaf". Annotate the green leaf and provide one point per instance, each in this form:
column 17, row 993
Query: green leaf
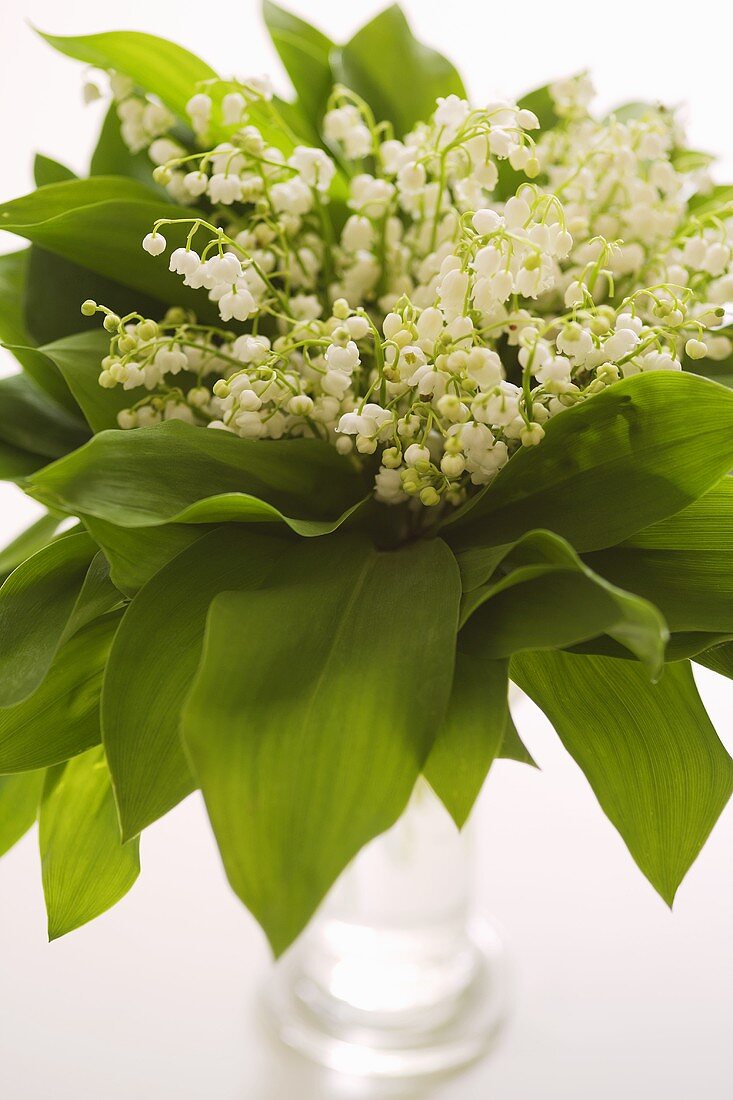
column 717, row 370
column 160, row 67
column 19, row 797
column 471, row 736
column 629, row 112
column 135, row 554
column 718, row 198
column 46, row 170
column 705, row 524
column 61, row 717
column 179, row 473
column 79, row 360
column 35, row 604
column 13, row 332
column 16, row 464
column 643, row 449
column 32, row 421
column 683, row 564
column 86, row 869
column 682, row 645
column 690, row 160
column 305, row 53
column 398, row 77
column 55, row 289
column 719, row 658
column 649, row 752
column 143, row 695
column 546, row 597
column 100, row 223
column 98, row 595
column 28, row 542
column 111, row 157
column 512, row 747
column 13, row 270
column 543, row 105
column 308, row 724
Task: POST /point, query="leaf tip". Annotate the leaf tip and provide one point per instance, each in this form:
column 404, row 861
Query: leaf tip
column 55, row 931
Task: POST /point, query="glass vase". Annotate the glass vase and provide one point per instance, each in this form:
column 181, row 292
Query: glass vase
column 396, row 975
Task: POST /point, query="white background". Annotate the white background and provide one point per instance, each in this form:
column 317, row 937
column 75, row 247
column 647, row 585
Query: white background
column 616, row 997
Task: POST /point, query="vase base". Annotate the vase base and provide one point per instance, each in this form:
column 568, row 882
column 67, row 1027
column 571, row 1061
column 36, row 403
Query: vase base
column 452, row 1034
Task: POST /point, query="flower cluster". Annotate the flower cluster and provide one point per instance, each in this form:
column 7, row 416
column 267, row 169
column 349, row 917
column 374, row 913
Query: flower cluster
column 483, row 277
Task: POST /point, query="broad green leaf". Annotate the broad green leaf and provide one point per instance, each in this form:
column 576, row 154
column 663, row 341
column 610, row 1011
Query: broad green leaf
column 79, row 360
column 13, row 332
column 543, row 596
column 35, row 604
column 512, row 747
column 693, row 589
column 86, row 869
column 717, row 199
column 706, row 524
column 61, row 718
column 629, row 112
column 28, row 542
column 717, row 370
column 686, row 645
column 46, row 204
column 398, row 77
column 144, row 690
column 32, row 421
column 179, row 473
column 682, row 645
column 690, row 160
column 719, row 658
column 282, row 125
column 313, row 711
column 305, row 53
column 111, row 157
column 542, row 104
column 471, row 735
column 100, row 223
column 160, row 67
column 55, row 289
column 16, row 464
column 643, row 449
column 649, row 752
column 47, row 170
column 683, row 564
column 19, row 798
column 97, row 596
column 135, row 554
column 13, row 269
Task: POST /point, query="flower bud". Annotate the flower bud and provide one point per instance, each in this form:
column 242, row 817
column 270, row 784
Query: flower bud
column 392, row 458
column 696, row 349
column 154, row 243
column 453, row 465
column 415, row 453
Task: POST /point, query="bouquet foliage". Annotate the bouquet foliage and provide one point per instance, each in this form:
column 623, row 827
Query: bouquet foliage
column 401, row 399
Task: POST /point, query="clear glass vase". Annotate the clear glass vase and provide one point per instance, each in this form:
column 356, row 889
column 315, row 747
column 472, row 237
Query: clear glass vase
column 396, row 976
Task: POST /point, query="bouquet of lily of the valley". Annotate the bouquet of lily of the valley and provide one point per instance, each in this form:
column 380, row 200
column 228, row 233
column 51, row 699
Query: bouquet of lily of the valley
column 377, row 400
